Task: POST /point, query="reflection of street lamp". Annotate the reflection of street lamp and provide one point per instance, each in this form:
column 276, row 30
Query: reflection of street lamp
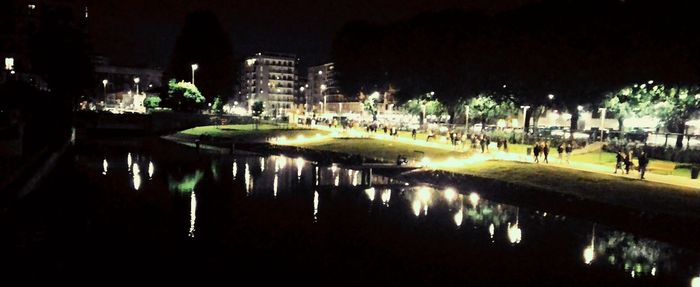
column 602, row 121
column 104, row 86
column 136, row 81
column 194, row 68
column 524, row 115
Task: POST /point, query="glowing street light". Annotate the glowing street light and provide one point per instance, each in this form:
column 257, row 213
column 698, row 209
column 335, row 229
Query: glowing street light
column 550, row 96
column 136, row 81
column 194, row 68
column 580, row 108
column 104, row 86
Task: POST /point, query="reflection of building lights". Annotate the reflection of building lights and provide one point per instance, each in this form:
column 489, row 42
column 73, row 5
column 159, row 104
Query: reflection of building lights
column 695, row 282
column 137, row 176
column 386, row 196
column 234, row 170
column 450, row 194
column 588, row 255
column 315, row 205
column 151, row 169
column 105, row 165
column 424, row 194
column 416, row 207
column 492, row 230
column 128, row 161
column 458, row 217
column 514, row 233
column 300, row 165
column 370, row 193
column 474, row 199
column 274, row 185
column 193, row 213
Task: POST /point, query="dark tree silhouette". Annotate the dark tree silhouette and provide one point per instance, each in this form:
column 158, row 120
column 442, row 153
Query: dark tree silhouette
column 204, row 42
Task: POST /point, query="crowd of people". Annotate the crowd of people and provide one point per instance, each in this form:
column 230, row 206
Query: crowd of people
column 624, row 162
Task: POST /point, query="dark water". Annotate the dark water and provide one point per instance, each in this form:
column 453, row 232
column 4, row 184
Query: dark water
column 156, row 209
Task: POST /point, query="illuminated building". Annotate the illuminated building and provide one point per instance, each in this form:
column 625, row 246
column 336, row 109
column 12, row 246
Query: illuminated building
column 270, row 78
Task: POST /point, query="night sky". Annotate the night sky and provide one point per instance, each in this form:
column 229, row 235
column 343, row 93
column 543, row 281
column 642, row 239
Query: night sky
column 142, row 33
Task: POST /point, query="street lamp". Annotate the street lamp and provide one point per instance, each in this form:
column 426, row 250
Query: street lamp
column 104, row 86
column 136, row 81
column 580, row 108
column 194, row 68
column 550, row 96
column 323, row 88
column 524, row 115
column 602, row 121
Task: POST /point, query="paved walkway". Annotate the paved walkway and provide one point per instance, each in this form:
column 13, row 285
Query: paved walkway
column 510, row 156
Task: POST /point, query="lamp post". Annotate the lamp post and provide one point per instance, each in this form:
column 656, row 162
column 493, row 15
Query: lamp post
column 524, row 115
column 422, row 106
column 136, row 81
column 602, row 121
column 104, row 87
column 323, row 88
column 194, row 68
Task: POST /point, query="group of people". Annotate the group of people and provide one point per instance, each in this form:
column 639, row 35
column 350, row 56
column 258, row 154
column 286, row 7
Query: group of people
column 624, row 158
column 542, row 149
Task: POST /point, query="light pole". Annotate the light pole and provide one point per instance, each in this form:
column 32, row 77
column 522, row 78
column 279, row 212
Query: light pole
column 524, row 115
column 423, row 109
column 104, row 87
column 136, row 81
column 323, row 88
column 194, row 68
column 602, row 121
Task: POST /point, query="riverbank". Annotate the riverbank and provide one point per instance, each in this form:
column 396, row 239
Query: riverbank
column 575, row 184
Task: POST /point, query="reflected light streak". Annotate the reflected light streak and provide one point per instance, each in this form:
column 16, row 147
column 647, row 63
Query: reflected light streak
column 424, row 194
column 151, row 169
column 234, row 170
column 315, row 206
column 370, row 192
column 128, row 161
column 262, row 164
column 193, row 212
column 136, row 176
column 474, row 199
column 336, row 182
column 416, row 207
column 458, row 217
column 105, row 166
column 492, row 230
column 300, row 165
column 514, row 233
column 274, row 186
column 386, row 196
column 450, row 194
column 248, row 182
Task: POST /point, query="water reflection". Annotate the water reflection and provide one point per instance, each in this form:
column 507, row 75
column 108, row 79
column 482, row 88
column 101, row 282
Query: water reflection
column 274, row 185
column 300, row 162
column 187, row 184
column 128, row 161
column 151, row 169
column 315, row 206
column 474, row 199
column 458, row 217
column 450, row 194
column 234, row 170
column 105, row 165
column 370, row 192
column 262, row 164
column 136, row 176
column 589, row 252
column 386, row 197
column 515, row 234
column 193, row 213
column 248, row 180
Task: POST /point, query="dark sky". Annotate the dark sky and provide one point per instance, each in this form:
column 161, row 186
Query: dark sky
column 143, row 32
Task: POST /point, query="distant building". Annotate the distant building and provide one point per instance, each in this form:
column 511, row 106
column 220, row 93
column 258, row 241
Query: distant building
column 20, row 20
column 121, row 79
column 323, row 85
column 270, row 78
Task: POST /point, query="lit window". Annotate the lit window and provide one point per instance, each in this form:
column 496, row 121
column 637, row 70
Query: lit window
column 9, row 64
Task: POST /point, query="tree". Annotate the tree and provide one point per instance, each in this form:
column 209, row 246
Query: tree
column 151, row 102
column 218, row 106
column 432, row 106
column 204, row 42
column 486, row 107
column 258, row 109
column 370, row 104
column 631, row 101
column 184, row 96
column 675, row 106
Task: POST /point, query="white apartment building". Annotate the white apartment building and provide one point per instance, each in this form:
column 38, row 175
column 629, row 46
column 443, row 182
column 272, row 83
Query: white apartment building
column 270, row 78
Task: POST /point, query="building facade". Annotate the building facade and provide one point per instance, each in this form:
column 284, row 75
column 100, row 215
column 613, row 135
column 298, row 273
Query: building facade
column 272, row 79
column 323, row 86
column 20, row 20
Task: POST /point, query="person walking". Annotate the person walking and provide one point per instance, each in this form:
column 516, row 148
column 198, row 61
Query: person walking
column 568, row 151
column 536, row 152
column 545, row 152
column 413, row 134
column 488, row 142
column 619, row 160
column 560, row 151
column 482, row 142
column 628, row 162
column 505, row 145
column 643, row 162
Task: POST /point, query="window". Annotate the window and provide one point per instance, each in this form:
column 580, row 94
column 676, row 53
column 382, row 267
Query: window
column 9, row 64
